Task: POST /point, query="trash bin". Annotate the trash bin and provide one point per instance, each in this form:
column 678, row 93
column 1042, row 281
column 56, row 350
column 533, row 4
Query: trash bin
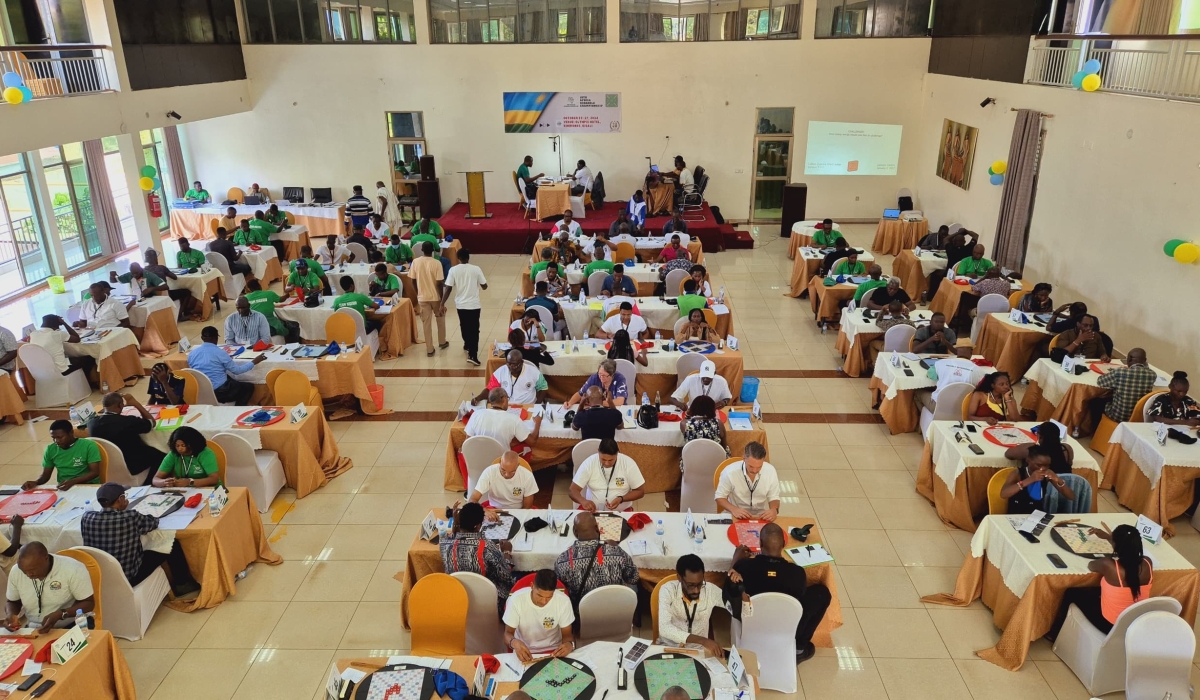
column 749, row 390
column 58, row 284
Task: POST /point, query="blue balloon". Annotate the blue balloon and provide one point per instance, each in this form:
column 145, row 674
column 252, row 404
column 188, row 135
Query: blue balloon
column 27, row 92
column 1077, row 79
column 1092, row 66
column 12, row 79
column 997, row 179
column 157, row 184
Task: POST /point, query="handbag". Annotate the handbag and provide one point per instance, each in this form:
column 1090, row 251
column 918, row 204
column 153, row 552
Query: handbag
column 647, row 417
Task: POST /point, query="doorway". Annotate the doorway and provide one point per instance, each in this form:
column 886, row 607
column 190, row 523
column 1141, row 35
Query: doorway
column 772, row 162
column 406, row 145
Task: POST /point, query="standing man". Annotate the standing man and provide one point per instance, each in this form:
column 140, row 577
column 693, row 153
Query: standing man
column 358, row 208
column 523, row 174
column 247, row 326
column 750, row 488
column 464, row 282
column 198, row 193
column 427, row 272
column 214, row 363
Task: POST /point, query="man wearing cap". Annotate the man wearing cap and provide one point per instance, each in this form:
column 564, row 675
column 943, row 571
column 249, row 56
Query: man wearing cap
column 750, row 488
column 704, row 383
column 118, row 530
column 625, row 320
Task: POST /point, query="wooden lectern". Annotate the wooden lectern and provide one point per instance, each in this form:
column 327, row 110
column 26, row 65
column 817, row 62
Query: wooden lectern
column 476, row 202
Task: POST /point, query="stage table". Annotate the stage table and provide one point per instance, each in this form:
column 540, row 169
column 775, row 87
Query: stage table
column 949, row 297
column 802, row 233
column 553, row 200
column 1012, row 347
column 399, row 330
column 716, row 551
column 649, row 247
column 97, row 672
column 914, row 270
column 1152, row 479
column 658, row 314
column 893, row 390
column 264, row 263
column 856, row 333
column 826, row 302
column 660, row 199
column 894, row 235
column 645, row 275
column 203, row 286
column 1052, row 393
column 955, row 479
column 116, row 356
column 319, row 220
column 571, row 370
column 808, row 262
column 657, row 452
column 1024, row 590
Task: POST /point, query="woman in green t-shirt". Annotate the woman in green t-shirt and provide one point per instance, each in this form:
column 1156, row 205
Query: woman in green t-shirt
column 189, row 463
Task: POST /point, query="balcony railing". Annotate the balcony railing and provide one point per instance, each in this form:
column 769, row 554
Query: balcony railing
column 24, row 230
column 1167, row 67
column 58, row 70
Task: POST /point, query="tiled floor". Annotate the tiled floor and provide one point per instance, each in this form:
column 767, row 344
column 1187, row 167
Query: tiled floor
column 335, row 594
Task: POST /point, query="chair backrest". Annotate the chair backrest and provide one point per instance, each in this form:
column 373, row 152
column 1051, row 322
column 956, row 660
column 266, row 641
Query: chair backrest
column 321, row 195
column 700, row 460
column 898, row 338
column 437, row 614
column 219, row 262
column 359, row 252
column 1158, row 652
column 868, row 296
column 239, row 455
column 39, row 363
column 541, row 276
column 679, row 325
column 686, row 364
column 545, row 318
column 965, row 406
column 1053, row 342
column 517, row 184
column 204, row 394
column 340, row 327
column 1014, row 299
column 954, row 228
column 606, row 614
column 997, row 504
column 113, row 466
column 292, row 388
column 716, row 479
column 95, row 574
column 236, row 194
column 1141, row 410
column 293, row 193
column 628, row 370
column 674, row 282
column 291, row 218
column 485, row 633
column 213, row 225
column 595, row 282
column 993, row 304
column 1148, row 605
column 272, row 376
column 654, row 605
column 480, row 451
column 118, row 595
column 625, row 251
column 711, row 317
column 772, row 626
column 949, row 405
column 582, row 450
column 903, row 192
column 222, row 461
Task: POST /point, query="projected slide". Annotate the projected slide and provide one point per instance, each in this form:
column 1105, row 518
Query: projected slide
column 839, row 148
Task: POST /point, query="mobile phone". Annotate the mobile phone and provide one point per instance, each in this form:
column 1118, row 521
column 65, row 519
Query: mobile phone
column 1056, row 561
column 908, row 372
column 42, row 689
column 971, row 428
column 1029, row 537
column 976, row 448
column 30, row 682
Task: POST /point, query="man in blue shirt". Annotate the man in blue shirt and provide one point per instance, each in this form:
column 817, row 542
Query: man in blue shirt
column 214, row 363
column 358, row 208
column 618, row 284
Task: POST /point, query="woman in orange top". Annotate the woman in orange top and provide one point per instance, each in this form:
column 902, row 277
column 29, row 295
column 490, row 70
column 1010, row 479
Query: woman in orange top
column 1125, row 578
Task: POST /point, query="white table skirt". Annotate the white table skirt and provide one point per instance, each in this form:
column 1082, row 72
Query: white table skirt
column 667, row 434
column 140, row 311
column 1055, row 383
column 1141, row 444
column 258, row 259
column 897, row 381
column 116, row 339
column 952, row 458
column 853, row 323
column 808, row 228
column 930, row 262
column 641, row 273
column 318, row 212
column 656, row 313
column 196, row 282
column 292, row 233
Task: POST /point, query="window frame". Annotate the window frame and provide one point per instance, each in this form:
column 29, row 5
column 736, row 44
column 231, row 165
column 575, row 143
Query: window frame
column 870, row 17
column 686, row 27
column 459, row 32
column 349, row 14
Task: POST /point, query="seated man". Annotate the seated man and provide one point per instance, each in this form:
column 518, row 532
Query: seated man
column 583, row 179
column 675, row 250
column 214, row 363
column 247, row 326
column 936, row 338
column 538, row 619
column 769, row 572
column 226, row 248
column 563, row 249
column 126, row 432
column 359, row 302
column 675, row 225
column 263, row 230
column 466, row 549
column 531, row 325
column 600, row 248
column 76, row 459
column 357, row 236
column 840, row 250
column 607, row 480
column 894, row 315
column 690, row 299
column 504, row 485
column 891, row 292
column 314, row 267
column 198, row 193
column 598, row 417
column 275, row 217
column 622, row 218
column 188, row 258
column 589, row 563
column 958, row 246
column 54, row 333
column 165, row 388
column 521, row 382
column 397, row 252
column 426, row 227
column 608, row 381
column 188, row 305
column 118, row 529
column 974, row 266
column 598, row 262
column 542, row 298
column 547, row 261
column 706, row 382
column 1060, row 322
column 229, row 221
column 991, row 283
column 875, row 273
column 331, row 253
column 935, row 240
column 685, row 607
column 825, row 235
column 567, row 224
column 303, row 280
column 384, row 284
column 141, row 282
column 48, row 589
column 623, row 320
column 495, row 421
column 102, row 311
column 264, row 301
column 1083, row 340
column 248, row 234
column 617, row 284
column 556, row 284
column 850, row 266
column 1128, row 385
column 377, row 229
column 750, row 488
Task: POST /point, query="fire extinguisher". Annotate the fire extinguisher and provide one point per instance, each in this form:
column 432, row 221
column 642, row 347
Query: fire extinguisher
column 155, row 204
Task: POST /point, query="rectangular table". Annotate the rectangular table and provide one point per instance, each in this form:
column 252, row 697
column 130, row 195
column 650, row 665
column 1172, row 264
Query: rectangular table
column 807, row 262
column 1152, row 479
column 264, row 263
column 116, row 356
column 1011, row 346
column 644, row 275
column 826, row 302
column 152, row 320
column 649, row 247
column 892, row 389
column 97, row 672
column 398, row 332
column 203, row 286
column 956, row 479
column 1024, row 590
column 914, row 270
column 950, row 295
column 894, row 235
column 1052, row 393
column 658, row 314
column 320, row 221
column 716, row 551
column 857, row 332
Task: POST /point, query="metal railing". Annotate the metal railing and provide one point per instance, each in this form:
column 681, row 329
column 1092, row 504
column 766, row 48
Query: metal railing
column 22, row 237
column 1167, row 67
column 58, row 70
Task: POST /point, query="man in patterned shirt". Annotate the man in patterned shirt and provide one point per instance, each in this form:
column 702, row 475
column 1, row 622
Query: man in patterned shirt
column 466, row 549
column 1128, row 385
column 589, row 563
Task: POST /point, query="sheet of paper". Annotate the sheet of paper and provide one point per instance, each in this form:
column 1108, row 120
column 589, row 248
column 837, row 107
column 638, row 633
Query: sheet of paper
column 720, row 309
column 810, row 555
column 637, row 547
column 178, row 520
column 354, row 675
column 31, row 667
column 740, row 421
column 510, row 668
column 521, row 543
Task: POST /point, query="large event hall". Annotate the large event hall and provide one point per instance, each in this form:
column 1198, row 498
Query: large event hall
column 599, row 349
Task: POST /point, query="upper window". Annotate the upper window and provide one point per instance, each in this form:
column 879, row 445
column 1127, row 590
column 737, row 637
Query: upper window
column 516, row 21
column 872, row 18
column 329, row 21
column 709, row 20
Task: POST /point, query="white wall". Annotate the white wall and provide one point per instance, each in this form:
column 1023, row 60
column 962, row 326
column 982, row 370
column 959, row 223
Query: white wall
column 318, row 113
column 1119, row 177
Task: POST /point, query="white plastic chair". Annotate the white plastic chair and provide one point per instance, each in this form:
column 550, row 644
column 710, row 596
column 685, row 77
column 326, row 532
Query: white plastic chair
column 582, row 450
column 700, row 460
column 679, row 325
column 205, row 395
column 897, row 337
column 867, row 296
column 686, row 364
column 359, row 251
column 370, row 340
column 904, row 192
column 485, row 634
column 988, row 304
column 260, row 471
column 118, row 470
column 541, row 276
column 547, row 320
column 606, row 614
column 1098, row 659
column 954, row 228
column 1158, row 657
column 530, row 203
column 628, row 370
column 771, row 634
column 674, row 279
column 53, row 389
column 233, row 283
column 595, row 282
column 128, row 610
column 948, row 405
column 578, row 211
column 480, row 452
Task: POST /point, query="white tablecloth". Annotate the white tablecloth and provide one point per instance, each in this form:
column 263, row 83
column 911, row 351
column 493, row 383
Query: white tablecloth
column 930, row 262
column 1019, row 560
column 292, row 233
column 312, row 321
column 1141, row 444
column 115, row 339
column 1007, row 320
column 196, row 282
column 951, row 458
column 591, row 353
column 362, row 273
column 897, row 381
column 667, row 434
column 212, row 420
column 656, row 312
column 141, row 310
column 244, row 210
column 853, row 322
column 808, row 228
column 1055, row 383
column 641, row 273
column 639, row 242
column 258, row 259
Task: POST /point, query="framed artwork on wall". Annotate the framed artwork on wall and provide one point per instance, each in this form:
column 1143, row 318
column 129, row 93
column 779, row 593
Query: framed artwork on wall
column 956, row 153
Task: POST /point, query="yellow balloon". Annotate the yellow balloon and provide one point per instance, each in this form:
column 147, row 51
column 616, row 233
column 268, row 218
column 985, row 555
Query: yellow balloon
column 146, row 183
column 999, row 167
column 1187, row 253
column 13, row 96
column 1091, row 83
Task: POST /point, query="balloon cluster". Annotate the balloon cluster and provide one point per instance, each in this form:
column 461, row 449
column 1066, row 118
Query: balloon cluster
column 1184, row 252
column 996, row 171
column 15, row 91
column 1088, row 79
column 149, row 179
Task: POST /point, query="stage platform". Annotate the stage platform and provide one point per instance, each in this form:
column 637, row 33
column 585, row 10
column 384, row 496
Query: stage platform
column 507, row 232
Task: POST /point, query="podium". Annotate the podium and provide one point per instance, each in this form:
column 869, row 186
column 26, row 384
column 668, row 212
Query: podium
column 476, row 201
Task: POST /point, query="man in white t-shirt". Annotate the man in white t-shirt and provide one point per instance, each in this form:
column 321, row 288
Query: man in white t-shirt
column 48, row 588
column 464, row 282
column 567, row 224
column 625, row 320
column 538, row 620
column 505, row 485
column 495, row 421
column 607, row 480
column 949, row 371
column 332, row 253
column 54, row 332
column 750, row 488
column 704, row 383
column 583, row 179
column 102, row 311
column 520, row 380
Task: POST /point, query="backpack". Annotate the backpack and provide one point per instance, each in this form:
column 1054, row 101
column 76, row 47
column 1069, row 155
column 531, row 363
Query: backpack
column 598, row 191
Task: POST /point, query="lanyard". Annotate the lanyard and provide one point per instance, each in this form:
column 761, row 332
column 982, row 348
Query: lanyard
column 512, row 387
column 748, row 486
column 187, row 465
column 38, row 590
column 608, row 482
column 690, row 615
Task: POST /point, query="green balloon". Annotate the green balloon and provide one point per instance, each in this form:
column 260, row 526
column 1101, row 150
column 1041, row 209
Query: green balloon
column 148, row 171
column 990, row 171
column 1171, row 245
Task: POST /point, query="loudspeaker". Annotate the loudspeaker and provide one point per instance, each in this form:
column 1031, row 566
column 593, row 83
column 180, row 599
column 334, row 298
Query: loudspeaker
column 429, row 196
column 795, row 198
column 428, row 171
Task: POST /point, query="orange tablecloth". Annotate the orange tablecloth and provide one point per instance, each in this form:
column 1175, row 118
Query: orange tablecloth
column 97, row 672
column 900, row 414
column 1072, row 411
column 825, row 301
column 912, row 277
column 894, row 235
column 797, row 241
column 644, row 289
column 124, row 364
column 1011, row 348
column 273, row 271
column 948, row 298
column 858, row 358
column 196, row 224
column 160, row 333
column 553, row 200
column 1169, row 499
column 307, row 450
column 803, row 271
column 12, row 405
column 660, row 199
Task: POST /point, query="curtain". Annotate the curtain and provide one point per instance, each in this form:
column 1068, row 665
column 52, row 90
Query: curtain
column 791, row 20
column 701, row 31
column 104, row 210
column 1020, row 184
column 175, row 161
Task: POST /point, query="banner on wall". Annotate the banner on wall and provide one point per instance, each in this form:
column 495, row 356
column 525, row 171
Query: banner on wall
column 562, row 112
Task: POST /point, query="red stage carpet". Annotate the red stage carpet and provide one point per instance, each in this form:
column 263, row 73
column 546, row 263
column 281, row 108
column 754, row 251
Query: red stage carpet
column 507, row 232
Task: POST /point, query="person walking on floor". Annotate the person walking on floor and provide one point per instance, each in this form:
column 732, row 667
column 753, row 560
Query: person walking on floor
column 427, row 271
column 464, row 282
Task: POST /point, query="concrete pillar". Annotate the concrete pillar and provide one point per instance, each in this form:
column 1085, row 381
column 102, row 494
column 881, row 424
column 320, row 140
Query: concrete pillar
column 45, row 206
column 132, row 160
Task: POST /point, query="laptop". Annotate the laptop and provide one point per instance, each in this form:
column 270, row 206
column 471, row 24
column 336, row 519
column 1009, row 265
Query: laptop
column 252, row 199
column 654, row 168
column 891, row 213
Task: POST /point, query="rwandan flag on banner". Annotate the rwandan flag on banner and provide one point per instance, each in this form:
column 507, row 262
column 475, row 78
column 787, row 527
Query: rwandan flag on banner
column 522, row 109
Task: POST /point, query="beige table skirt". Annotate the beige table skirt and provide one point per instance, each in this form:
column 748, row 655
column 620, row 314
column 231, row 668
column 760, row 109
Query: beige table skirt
column 825, row 300
column 560, row 387
column 160, row 333
column 803, row 271
column 858, row 360
column 1011, row 349
column 1170, row 499
column 660, row 200
column 1072, row 411
column 97, row 672
column 895, row 235
column 912, row 276
column 553, row 200
column 12, row 399
column 949, row 298
column 901, row 413
column 796, row 242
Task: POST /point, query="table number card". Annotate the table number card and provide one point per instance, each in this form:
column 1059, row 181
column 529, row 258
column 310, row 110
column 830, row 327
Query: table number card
column 184, row 345
column 895, row 359
column 1149, row 530
column 299, row 413
column 1160, row 432
column 1017, row 317
column 358, row 344
column 67, row 646
column 737, row 668
column 218, row 499
column 1068, row 364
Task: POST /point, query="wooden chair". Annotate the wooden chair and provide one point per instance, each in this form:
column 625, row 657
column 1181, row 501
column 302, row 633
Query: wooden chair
column 437, row 614
column 222, row 459
column 93, row 568
column 654, row 600
column 292, row 388
column 625, row 251
column 716, row 483
column 996, row 504
column 236, row 194
column 340, row 327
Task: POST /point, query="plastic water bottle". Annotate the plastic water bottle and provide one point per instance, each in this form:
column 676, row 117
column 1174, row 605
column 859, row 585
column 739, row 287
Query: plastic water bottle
column 645, row 398
column 660, row 530
column 721, row 297
column 657, row 335
column 81, row 621
column 582, row 297
column 104, row 387
column 585, row 335
column 671, row 344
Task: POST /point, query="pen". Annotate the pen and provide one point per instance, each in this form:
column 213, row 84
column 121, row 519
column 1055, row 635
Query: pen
column 602, row 697
column 512, row 669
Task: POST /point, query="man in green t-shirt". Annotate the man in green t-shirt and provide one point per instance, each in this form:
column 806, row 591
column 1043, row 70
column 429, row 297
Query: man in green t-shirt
column 427, row 236
column 527, row 179
column 197, row 193
column 975, row 266
column 547, row 259
column 397, row 253
column 275, row 217
column 314, row 266
column 825, row 234
column 141, row 282
column 186, row 257
column 263, row 301
column 876, row 274
column 359, row 302
column 427, row 226
column 76, row 459
column 597, row 262
column 302, row 278
column 384, row 284
column 248, row 234
column 262, row 231
column 850, row 266
column 690, row 299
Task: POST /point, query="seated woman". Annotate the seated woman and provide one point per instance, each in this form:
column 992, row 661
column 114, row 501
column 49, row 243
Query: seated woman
column 1127, row 576
column 1038, row 301
column 1049, row 438
column 1175, row 407
column 993, row 400
column 622, row 349
column 696, row 328
column 535, row 353
column 701, row 421
column 1030, row 486
column 189, row 463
